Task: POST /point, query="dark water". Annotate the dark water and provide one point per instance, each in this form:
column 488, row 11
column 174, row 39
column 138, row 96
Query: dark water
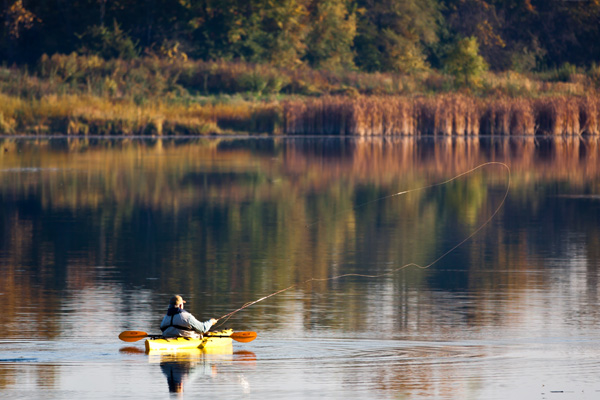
column 96, row 235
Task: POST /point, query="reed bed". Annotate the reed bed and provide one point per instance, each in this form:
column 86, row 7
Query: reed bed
column 558, row 115
column 454, row 114
column 589, row 115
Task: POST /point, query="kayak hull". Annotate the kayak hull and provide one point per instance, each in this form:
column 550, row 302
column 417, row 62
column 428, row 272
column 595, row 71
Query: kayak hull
column 210, row 341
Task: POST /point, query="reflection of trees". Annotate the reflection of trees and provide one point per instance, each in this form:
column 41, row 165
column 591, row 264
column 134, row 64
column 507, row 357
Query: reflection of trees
column 46, row 376
column 229, row 222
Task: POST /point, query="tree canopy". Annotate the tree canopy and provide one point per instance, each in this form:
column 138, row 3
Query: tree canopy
column 370, row 35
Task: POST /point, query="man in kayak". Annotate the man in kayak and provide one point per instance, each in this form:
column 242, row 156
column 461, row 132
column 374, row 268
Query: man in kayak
column 179, row 322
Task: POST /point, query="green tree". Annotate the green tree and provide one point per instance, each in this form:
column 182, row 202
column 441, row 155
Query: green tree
column 108, row 43
column 216, row 28
column 276, row 32
column 392, row 34
column 465, row 63
column 272, row 31
column 527, row 34
column 478, row 19
column 330, row 40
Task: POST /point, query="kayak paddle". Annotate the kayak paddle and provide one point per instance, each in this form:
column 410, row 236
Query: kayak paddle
column 134, row 336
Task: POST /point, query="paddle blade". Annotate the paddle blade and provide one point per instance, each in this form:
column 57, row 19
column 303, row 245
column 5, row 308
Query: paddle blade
column 243, row 337
column 132, row 336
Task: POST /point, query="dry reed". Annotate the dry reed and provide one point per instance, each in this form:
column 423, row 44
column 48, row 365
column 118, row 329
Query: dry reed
column 589, row 115
column 455, row 114
column 558, row 115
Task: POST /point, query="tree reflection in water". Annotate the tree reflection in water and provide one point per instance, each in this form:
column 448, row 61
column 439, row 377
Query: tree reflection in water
column 225, row 220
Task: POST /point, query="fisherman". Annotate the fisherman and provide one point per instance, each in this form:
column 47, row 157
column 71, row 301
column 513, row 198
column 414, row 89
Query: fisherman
column 179, row 322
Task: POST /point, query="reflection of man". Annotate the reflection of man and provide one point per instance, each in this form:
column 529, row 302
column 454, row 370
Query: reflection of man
column 179, row 322
column 175, row 373
column 183, row 370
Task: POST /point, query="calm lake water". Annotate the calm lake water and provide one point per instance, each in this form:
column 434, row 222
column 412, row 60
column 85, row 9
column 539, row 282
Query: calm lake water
column 97, row 234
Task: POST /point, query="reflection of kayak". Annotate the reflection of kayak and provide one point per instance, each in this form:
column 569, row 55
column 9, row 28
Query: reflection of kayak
column 211, row 341
column 184, row 366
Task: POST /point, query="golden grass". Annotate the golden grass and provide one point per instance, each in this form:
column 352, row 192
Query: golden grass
column 589, row 115
column 82, row 115
column 454, row 114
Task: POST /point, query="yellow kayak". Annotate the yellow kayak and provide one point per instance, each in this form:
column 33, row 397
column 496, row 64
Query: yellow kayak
column 211, row 341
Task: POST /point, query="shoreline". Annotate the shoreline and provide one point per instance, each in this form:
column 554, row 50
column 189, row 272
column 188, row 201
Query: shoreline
column 85, row 95
column 264, row 136
column 443, row 115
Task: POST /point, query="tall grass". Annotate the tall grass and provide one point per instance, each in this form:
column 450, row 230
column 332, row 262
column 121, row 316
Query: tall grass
column 149, row 77
column 78, row 115
column 589, row 115
column 442, row 115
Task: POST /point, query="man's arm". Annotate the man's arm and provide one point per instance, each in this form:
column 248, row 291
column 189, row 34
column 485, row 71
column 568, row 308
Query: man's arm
column 202, row 327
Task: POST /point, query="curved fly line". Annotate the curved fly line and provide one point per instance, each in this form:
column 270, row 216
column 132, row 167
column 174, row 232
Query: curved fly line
column 225, row 317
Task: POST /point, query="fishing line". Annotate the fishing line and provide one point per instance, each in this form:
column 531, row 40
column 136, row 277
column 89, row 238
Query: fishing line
column 225, row 317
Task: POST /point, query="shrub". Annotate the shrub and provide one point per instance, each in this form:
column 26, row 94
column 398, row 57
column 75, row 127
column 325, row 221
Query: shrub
column 594, row 74
column 564, row 73
column 464, row 62
column 108, row 43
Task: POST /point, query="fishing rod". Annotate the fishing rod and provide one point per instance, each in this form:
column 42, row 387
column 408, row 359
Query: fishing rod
column 225, row 317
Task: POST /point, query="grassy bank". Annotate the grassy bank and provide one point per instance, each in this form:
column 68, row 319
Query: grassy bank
column 79, row 95
column 92, row 115
column 145, row 78
column 89, row 115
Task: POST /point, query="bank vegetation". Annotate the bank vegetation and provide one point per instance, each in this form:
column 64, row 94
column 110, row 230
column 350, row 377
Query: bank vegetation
column 88, row 95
